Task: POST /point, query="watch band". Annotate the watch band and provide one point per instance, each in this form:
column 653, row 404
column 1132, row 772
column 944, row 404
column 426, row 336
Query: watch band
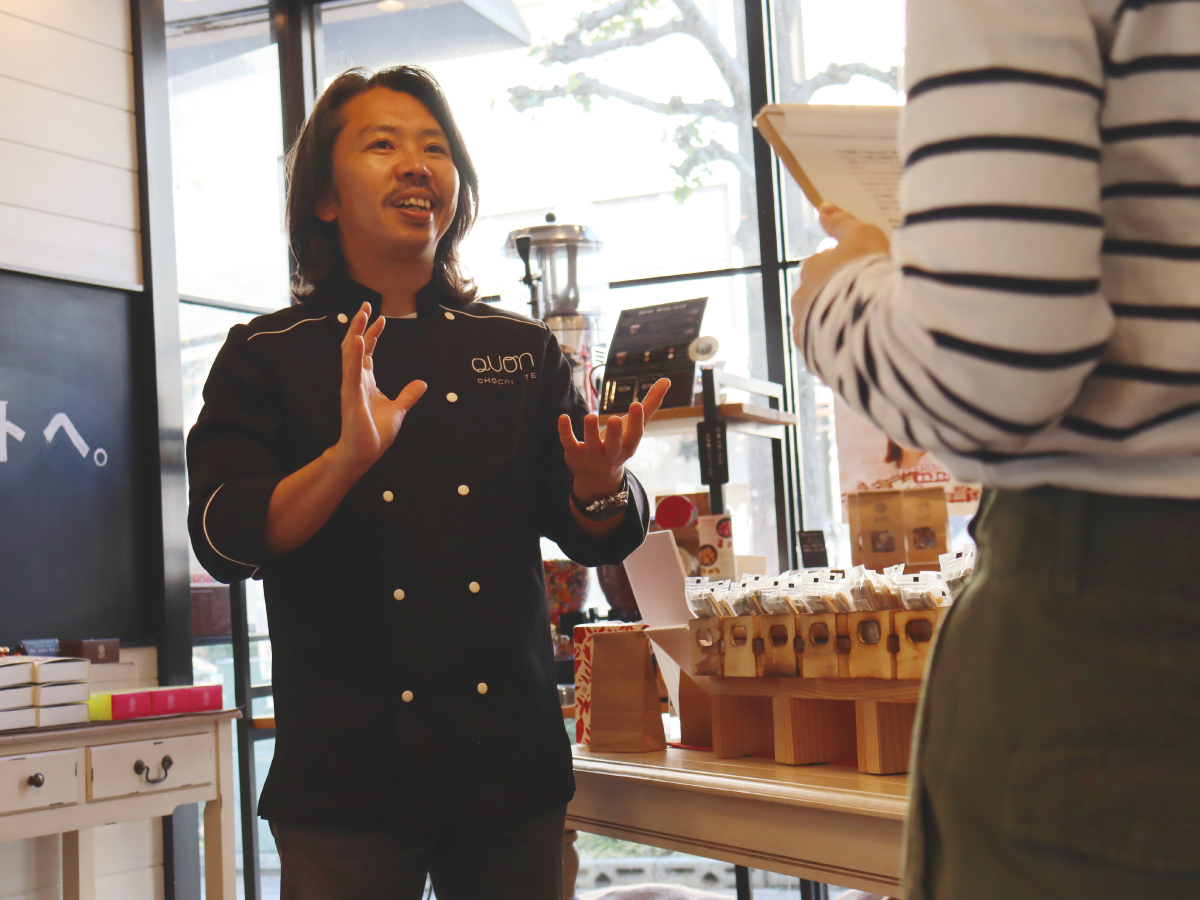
column 604, row 507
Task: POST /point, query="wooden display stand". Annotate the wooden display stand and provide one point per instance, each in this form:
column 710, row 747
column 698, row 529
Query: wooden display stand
column 802, row 721
column 816, row 688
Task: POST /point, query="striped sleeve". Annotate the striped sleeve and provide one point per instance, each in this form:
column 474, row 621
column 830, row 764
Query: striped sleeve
column 980, row 329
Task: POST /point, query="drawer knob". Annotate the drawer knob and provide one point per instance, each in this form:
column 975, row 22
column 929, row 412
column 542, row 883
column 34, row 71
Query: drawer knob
column 141, row 768
column 37, row 780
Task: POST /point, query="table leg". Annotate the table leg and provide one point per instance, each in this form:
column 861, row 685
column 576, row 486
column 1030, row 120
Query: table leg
column 570, row 863
column 741, row 877
column 79, row 864
column 813, row 890
column 220, row 875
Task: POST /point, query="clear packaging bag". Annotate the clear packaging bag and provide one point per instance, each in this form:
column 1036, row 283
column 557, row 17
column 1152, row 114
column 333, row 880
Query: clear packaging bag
column 783, row 597
column 701, row 600
column 826, row 592
column 924, row 590
column 745, row 597
column 870, row 591
column 957, row 568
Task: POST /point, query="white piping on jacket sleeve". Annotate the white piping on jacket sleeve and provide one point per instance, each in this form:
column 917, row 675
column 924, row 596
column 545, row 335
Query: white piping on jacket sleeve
column 204, row 526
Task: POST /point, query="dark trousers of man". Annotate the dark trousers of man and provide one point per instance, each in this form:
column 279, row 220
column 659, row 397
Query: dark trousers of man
column 519, row 859
column 1058, row 740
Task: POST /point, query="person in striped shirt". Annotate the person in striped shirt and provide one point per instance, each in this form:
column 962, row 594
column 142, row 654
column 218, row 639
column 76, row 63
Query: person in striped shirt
column 1035, row 323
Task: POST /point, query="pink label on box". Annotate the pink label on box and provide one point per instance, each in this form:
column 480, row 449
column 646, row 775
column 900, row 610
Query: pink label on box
column 170, row 701
column 583, row 672
column 205, row 697
column 133, row 705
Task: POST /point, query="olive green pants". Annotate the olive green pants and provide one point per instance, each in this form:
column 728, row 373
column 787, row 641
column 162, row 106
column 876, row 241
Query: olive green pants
column 1057, row 753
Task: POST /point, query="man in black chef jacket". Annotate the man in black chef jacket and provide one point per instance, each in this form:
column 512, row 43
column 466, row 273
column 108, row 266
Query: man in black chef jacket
column 418, row 722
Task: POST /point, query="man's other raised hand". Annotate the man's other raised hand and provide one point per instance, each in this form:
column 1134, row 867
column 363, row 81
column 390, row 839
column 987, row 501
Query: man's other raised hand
column 598, row 463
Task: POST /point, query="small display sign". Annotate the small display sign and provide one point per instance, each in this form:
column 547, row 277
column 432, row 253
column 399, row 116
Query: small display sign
column 650, row 343
column 813, row 553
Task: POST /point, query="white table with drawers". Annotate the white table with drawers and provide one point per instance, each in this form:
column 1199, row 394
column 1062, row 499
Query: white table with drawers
column 73, row 779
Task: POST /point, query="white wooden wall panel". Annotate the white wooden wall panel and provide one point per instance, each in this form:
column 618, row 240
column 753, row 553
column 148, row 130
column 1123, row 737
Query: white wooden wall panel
column 140, row 884
column 68, row 186
column 128, row 846
column 50, row 893
column 64, row 62
column 68, row 143
column 29, row 866
column 31, row 240
column 50, row 120
column 102, row 21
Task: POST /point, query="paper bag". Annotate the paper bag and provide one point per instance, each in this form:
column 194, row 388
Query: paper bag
column 882, row 524
column 925, row 524
column 584, row 635
column 625, row 709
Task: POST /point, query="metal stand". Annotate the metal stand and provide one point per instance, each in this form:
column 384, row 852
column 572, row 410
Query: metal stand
column 742, row 879
column 813, row 890
column 244, row 694
column 711, row 433
column 714, row 451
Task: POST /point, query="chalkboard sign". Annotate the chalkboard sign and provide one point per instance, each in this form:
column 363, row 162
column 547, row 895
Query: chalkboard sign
column 69, row 473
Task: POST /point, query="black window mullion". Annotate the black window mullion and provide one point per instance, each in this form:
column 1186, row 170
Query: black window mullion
column 787, row 487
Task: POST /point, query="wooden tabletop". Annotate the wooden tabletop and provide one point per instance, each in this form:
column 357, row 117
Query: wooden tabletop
column 828, row 787
column 826, row 823
column 123, row 728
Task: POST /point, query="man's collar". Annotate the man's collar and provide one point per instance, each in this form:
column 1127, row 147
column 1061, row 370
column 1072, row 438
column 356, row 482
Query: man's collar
column 341, row 295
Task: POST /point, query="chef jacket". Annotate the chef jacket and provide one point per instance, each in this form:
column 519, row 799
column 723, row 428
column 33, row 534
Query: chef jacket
column 413, row 668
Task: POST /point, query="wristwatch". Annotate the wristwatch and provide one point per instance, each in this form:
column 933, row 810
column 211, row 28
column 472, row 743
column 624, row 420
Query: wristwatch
column 604, row 507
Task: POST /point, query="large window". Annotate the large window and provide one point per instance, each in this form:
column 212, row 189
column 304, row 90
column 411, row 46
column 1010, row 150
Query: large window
column 227, row 154
column 631, row 119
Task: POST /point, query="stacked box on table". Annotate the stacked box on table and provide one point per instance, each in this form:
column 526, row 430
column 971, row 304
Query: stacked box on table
column 140, row 703
column 40, row 692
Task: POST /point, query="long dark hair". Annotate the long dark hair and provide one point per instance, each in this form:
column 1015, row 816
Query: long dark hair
column 314, row 243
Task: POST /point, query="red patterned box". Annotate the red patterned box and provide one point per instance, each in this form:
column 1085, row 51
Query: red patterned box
column 583, row 672
column 170, row 701
column 204, row 697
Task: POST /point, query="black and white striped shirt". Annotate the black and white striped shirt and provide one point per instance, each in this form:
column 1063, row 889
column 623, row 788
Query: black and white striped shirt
column 1038, row 321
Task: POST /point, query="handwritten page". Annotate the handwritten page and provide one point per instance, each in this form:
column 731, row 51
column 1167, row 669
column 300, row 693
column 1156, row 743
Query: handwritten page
column 845, row 155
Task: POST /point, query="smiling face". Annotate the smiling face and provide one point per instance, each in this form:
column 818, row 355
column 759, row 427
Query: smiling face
column 396, row 183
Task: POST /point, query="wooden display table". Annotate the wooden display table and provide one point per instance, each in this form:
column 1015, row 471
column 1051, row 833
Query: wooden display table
column 72, row 780
column 825, row 823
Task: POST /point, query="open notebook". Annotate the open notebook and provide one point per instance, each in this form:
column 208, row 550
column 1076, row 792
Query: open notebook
column 846, row 155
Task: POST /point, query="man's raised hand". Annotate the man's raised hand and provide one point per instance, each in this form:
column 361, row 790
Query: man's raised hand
column 598, row 463
column 370, row 421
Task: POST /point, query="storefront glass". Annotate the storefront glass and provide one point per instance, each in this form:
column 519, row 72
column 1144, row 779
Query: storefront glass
column 637, row 124
column 226, row 153
column 841, row 52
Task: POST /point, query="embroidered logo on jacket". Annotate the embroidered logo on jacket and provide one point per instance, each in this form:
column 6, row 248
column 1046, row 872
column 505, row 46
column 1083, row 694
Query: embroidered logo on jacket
column 504, row 365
